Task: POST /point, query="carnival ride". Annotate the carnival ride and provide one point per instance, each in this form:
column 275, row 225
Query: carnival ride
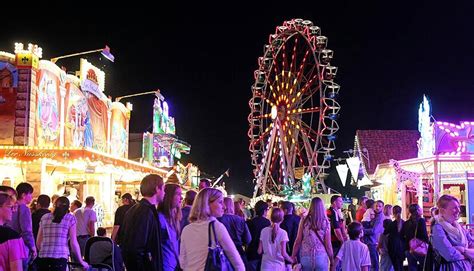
column 293, row 110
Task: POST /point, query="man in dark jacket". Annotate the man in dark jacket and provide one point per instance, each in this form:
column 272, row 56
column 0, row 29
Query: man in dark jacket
column 140, row 237
column 290, row 224
column 256, row 225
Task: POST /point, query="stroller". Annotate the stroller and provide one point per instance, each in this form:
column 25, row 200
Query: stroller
column 102, row 254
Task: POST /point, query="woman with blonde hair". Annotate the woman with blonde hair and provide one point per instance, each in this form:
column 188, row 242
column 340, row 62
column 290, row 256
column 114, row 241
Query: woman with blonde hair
column 449, row 239
column 313, row 240
column 272, row 244
column 207, row 205
column 169, row 214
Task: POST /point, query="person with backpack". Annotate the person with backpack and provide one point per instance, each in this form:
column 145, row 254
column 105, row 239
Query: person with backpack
column 313, row 240
column 414, row 227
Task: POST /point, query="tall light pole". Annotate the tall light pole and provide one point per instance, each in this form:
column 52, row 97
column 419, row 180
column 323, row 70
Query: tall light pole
column 156, row 92
column 104, row 51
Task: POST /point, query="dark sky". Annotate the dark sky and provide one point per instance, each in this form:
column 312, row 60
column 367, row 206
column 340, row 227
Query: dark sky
column 203, row 59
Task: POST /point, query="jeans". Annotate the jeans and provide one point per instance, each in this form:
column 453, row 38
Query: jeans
column 415, row 262
column 319, row 262
column 253, row 265
column 374, row 257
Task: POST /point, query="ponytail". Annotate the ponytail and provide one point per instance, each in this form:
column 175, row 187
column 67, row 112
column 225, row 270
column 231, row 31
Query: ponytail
column 276, row 217
column 61, row 209
column 274, row 233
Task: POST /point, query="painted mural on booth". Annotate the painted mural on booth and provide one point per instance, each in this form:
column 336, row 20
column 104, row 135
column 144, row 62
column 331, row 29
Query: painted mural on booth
column 47, row 109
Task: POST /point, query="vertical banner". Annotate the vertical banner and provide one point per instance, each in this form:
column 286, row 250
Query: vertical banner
column 7, row 106
column 119, row 136
column 77, row 132
column 47, row 110
column 342, row 171
column 98, row 122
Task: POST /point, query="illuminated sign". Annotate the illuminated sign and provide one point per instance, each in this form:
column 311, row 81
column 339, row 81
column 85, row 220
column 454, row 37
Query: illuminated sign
column 27, row 60
column 92, row 79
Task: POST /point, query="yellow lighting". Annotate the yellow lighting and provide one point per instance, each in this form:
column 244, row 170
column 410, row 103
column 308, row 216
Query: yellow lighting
column 298, row 94
column 274, row 112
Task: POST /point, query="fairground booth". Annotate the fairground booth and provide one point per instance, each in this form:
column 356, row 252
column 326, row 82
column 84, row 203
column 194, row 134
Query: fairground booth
column 62, row 134
column 440, row 161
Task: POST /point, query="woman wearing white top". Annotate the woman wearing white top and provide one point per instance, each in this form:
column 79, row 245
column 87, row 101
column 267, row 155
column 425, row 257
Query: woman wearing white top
column 194, row 239
column 273, row 244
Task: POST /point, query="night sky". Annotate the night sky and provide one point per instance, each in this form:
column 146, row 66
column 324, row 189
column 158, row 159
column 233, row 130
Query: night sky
column 203, row 59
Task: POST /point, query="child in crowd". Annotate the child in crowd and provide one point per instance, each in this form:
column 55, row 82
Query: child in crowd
column 273, row 244
column 354, row 255
column 366, row 222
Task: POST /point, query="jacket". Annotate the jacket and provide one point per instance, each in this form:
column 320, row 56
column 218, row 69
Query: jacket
column 140, row 238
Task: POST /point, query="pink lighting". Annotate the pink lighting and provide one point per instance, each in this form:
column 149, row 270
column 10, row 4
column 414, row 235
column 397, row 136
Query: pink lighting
column 456, row 137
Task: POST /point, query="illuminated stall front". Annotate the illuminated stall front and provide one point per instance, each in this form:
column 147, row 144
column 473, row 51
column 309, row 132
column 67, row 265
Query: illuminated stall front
column 62, row 134
column 444, row 165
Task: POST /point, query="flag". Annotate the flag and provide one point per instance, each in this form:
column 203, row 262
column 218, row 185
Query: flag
column 227, row 172
column 354, row 164
column 342, row 172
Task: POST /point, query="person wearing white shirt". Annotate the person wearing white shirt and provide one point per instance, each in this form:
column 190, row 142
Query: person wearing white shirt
column 194, row 239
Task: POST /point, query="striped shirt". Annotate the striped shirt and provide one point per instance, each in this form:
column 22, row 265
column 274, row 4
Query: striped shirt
column 55, row 236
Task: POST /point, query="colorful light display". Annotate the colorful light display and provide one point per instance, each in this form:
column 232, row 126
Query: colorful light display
column 162, row 147
column 293, row 111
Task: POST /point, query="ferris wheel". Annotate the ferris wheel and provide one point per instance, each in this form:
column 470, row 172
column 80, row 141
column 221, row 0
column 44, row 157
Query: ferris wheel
column 293, row 109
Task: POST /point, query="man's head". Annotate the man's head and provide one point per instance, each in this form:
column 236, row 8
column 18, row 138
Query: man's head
column 189, row 197
column 90, row 201
column 152, row 185
column 261, row 208
column 25, row 192
column 127, row 199
column 287, row 207
column 75, row 205
column 336, row 202
column 204, row 183
column 44, row 201
column 378, row 206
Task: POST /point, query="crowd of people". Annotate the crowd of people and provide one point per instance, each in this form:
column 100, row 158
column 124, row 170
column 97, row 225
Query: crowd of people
column 163, row 232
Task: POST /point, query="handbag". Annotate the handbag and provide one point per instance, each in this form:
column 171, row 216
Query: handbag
column 216, row 258
column 417, row 246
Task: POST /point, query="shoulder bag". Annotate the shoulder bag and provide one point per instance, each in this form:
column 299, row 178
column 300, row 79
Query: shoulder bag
column 216, row 258
column 417, row 246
